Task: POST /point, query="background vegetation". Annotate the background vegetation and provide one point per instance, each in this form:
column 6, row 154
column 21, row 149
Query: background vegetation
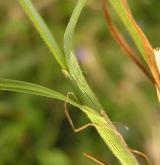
column 34, row 130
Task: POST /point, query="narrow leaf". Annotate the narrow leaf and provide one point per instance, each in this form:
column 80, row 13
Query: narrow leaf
column 104, row 126
column 30, row 88
column 111, row 137
column 139, row 38
column 68, row 36
column 78, row 80
column 106, row 130
column 43, row 31
column 123, row 43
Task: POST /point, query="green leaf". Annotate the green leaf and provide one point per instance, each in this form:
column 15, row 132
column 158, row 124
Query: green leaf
column 139, row 38
column 129, row 23
column 30, row 88
column 43, row 31
column 68, row 36
column 104, row 126
column 76, row 76
column 102, row 123
column 111, row 137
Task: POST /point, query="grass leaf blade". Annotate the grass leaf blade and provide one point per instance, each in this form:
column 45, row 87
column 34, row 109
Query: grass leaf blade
column 105, row 127
column 139, row 38
column 43, row 31
column 68, row 36
column 86, row 95
column 29, row 88
column 123, row 43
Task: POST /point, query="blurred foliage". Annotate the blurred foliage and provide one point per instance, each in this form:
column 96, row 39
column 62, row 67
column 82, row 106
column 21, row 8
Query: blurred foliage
column 34, row 130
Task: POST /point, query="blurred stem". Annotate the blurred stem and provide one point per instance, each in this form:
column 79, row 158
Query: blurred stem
column 123, row 43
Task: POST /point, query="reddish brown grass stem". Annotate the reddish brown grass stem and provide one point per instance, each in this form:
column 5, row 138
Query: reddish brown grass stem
column 123, row 43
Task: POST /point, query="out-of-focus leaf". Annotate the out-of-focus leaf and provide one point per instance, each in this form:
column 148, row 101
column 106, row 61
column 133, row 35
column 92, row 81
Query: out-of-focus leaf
column 123, row 43
column 139, row 38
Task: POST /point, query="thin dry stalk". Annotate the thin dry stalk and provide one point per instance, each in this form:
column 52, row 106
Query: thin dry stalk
column 123, row 43
column 148, row 50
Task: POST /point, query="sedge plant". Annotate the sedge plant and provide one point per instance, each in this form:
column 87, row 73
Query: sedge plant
column 87, row 101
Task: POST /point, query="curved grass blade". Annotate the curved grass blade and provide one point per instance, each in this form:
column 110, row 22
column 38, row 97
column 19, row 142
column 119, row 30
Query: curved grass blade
column 111, row 137
column 130, row 24
column 43, row 31
column 105, row 127
column 139, row 38
column 30, row 88
column 68, row 36
column 78, row 80
column 123, row 43
column 106, row 130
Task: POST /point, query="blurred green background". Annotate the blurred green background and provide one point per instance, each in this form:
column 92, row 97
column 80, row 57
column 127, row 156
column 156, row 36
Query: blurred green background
column 34, row 130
